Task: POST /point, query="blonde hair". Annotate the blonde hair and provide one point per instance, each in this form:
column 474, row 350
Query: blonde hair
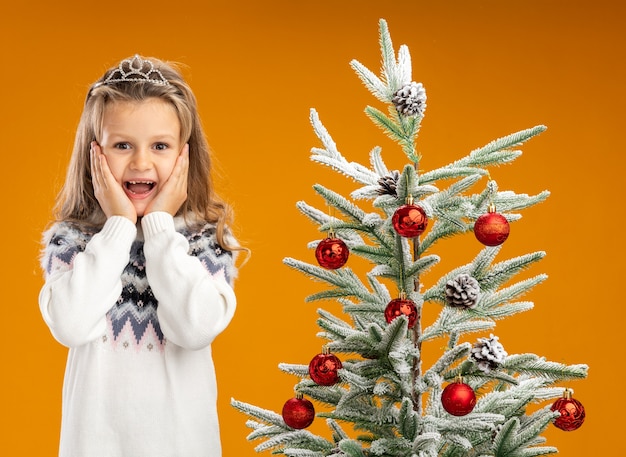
column 76, row 201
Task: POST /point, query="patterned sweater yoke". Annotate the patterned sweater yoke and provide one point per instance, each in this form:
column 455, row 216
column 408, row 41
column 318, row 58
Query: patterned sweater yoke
column 136, row 306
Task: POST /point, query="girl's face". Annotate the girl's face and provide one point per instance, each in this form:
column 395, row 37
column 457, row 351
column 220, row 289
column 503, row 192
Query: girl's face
column 141, row 141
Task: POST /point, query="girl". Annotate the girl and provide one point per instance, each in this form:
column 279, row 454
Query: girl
column 139, row 269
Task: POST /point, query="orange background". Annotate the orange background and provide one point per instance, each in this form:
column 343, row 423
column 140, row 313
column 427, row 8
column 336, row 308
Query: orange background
column 489, row 67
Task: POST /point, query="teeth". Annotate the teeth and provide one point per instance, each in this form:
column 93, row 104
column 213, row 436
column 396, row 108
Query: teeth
column 140, row 182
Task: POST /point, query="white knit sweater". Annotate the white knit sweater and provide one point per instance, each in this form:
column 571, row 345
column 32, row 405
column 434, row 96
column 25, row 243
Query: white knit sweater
column 138, row 310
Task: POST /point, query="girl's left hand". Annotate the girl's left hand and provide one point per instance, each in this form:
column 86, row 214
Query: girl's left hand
column 174, row 192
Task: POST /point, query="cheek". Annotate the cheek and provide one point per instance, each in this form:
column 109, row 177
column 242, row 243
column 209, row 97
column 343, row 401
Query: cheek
column 165, row 168
column 117, row 167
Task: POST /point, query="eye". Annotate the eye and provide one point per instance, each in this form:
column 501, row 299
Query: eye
column 161, row 146
column 122, row 146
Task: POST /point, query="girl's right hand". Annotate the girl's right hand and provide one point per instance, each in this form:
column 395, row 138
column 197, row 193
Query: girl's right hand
column 109, row 193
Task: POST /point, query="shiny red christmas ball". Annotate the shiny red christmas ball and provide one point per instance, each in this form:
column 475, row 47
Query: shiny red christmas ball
column 323, row 369
column 572, row 413
column 458, row 399
column 409, row 221
column 298, row 413
column 332, row 253
column 491, row 229
column 401, row 306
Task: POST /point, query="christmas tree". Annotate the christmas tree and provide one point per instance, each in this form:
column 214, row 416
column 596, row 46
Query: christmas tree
column 370, row 382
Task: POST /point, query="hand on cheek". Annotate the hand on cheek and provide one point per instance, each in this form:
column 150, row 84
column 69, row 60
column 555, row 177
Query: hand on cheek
column 107, row 190
column 174, row 191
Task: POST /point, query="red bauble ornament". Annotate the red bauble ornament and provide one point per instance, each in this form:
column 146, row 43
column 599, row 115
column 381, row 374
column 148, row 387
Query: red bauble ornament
column 458, row 399
column 409, row 220
column 298, row 412
column 491, row 229
column 572, row 412
column 323, row 369
column 401, row 306
column 332, row 253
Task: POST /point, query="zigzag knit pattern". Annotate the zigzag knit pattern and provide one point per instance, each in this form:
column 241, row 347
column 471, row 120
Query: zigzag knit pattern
column 136, row 306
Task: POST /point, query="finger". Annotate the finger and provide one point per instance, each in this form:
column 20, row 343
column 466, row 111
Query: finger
column 183, row 168
column 98, row 157
column 95, row 175
column 105, row 174
column 182, row 161
column 179, row 172
column 105, row 171
column 186, row 156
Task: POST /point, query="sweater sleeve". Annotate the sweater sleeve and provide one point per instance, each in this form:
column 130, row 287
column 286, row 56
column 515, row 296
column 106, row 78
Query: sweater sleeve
column 83, row 282
column 195, row 305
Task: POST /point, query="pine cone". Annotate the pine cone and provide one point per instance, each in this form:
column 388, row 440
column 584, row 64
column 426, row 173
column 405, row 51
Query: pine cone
column 410, row 100
column 462, row 291
column 388, row 184
column 495, row 431
column 488, row 354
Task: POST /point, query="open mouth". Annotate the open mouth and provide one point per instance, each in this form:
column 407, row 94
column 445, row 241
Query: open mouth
column 139, row 187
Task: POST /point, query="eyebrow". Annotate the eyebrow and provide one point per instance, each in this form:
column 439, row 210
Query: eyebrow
column 164, row 136
column 124, row 136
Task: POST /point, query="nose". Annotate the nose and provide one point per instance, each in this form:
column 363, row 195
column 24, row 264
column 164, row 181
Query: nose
column 141, row 160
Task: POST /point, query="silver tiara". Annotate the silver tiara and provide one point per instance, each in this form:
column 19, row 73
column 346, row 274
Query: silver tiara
column 135, row 69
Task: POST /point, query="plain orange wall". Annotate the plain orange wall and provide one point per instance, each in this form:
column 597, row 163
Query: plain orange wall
column 489, row 67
